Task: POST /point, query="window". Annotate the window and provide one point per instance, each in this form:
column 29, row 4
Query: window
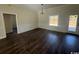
column 72, row 22
column 53, row 20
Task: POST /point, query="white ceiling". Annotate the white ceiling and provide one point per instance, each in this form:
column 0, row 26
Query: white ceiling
column 37, row 7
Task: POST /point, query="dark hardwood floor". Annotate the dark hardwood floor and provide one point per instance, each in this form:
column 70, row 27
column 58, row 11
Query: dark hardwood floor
column 39, row 41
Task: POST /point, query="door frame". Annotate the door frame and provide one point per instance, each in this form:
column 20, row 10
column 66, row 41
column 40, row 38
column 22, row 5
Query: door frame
column 15, row 20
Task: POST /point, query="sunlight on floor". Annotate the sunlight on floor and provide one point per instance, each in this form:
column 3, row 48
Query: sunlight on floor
column 70, row 40
column 53, row 39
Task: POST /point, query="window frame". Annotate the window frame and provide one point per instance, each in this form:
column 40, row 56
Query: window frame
column 72, row 26
column 57, row 23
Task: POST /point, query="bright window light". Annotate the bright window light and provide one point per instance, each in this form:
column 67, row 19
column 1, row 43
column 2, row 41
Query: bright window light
column 53, row 20
column 72, row 22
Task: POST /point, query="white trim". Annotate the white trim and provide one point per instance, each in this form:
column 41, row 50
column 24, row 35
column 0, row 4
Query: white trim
column 12, row 14
column 2, row 37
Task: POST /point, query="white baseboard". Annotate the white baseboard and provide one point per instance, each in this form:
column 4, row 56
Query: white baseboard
column 2, row 37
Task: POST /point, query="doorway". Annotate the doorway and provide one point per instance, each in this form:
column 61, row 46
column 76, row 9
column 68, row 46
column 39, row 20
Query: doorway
column 10, row 23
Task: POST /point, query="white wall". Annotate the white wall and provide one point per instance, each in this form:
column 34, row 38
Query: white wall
column 26, row 19
column 63, row 12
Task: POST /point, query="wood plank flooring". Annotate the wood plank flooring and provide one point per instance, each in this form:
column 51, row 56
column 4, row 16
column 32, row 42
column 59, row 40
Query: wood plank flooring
column 39, row 41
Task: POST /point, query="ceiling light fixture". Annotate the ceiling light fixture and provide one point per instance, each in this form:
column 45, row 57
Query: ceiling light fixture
column 42, row 9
